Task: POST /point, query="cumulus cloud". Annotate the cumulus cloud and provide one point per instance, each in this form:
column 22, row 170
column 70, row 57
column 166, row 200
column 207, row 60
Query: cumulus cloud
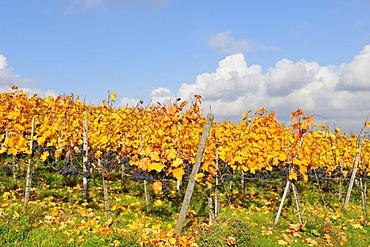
column 356, row 74
column 226, row 44
column 8, row 78
column 162, row 95
column 128, row 102
column 336, row 95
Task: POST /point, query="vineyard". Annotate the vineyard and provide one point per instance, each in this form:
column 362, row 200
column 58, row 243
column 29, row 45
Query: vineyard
column 123, row 174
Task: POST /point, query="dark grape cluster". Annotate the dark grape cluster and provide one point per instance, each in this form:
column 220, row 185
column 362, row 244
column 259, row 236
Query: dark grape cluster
column 125, row 160
column 5, row 168
column 67, row 171
column 87, row 175
column 116, row 166
column 35, row 147
column 337, row 173
column 88, row 166
column 110, row 155
column 141, row 176
column 165, row 189
column 187, row 169
column 106, row 164
column 227, row 171
column 128, row 169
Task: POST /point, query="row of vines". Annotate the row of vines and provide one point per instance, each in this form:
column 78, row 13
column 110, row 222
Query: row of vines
column 157, row 143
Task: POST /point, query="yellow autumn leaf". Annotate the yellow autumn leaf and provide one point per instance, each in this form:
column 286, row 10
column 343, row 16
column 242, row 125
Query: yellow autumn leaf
column 80, row 239
column 116, row 243
column 156, row 226
column 157, row 187
column 155, row 166
column 172, row 240
column 154, row 156
column 158, row 203
column 12, row 151
column 44, row 155
column 231, row 240
column 113, row 96
column 282, row 156
column 327, row 238
column 97, row 154
column 177, row 162
column 293, row 176
column 109, row 222
column 282, row 242
column 171, row 154
column 178, row 173
column 6, row 195
column 199, row 177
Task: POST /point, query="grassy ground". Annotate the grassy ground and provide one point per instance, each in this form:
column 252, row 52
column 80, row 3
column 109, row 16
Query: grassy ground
column 57, row 215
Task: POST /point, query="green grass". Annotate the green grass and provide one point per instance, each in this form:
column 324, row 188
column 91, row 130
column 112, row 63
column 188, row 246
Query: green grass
column 58, row 216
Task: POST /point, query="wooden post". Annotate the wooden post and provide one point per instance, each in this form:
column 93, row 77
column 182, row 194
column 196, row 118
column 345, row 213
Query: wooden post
column 147, row 196
column 146, row 190
column 318, row 184
column 296, row 199
column 194, row 172
column 15, row 169
column 123, row 165
column 295, row 192
column 85, row 181
column 243, row 182
column 217, row 189
column 105, row 190
column 348, row 195
column 178, row 186
column 29, row 170
column 363, row 196
column 286, row 191
column 340, row 182
column 210, row 207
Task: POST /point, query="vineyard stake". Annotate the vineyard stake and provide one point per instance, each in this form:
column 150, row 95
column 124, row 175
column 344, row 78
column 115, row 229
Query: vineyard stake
column 217, row 189
column 105, row 191
column 340, row 182
column 296, row 198
column 286, row 191
column 353, row 173
column 295, row 192
column 146, row 190
column 210, row 207
column 85, row 180
column 29, row 170
column 363, row 196
column 194, row 172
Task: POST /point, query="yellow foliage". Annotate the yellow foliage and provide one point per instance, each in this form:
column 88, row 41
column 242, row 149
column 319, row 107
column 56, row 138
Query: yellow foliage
column 199, row 177
column 178, row 173
column 293, row 176
column 157, row 187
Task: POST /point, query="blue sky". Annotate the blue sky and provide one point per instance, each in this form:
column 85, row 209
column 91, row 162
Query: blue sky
column 282, row 55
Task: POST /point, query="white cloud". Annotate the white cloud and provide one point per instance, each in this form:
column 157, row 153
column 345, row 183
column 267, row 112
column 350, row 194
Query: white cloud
column 162, row 95
column 8, row 78
column 335, row 95
column 226, row 44
column 128, row 102
column 356, row 74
